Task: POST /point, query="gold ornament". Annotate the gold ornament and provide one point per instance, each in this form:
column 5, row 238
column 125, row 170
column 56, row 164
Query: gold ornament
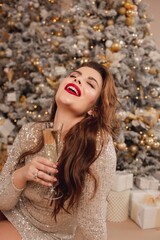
column 151, row 133
column 110, row 22
column 121, row 146
column 133, row 148
column 22, row 99
column 36, row 61
column 129, row 21
column 115, row 47
column 142, row 143
column 149, row 141
column 148, row 147
column 127, row 120
column 55, row 43
column 130, row 13
column 129, row 6
column 122, row 10
column 156, row 145
column 101, row 27
column 153, row 71
column 144, row 136
column 98, row 27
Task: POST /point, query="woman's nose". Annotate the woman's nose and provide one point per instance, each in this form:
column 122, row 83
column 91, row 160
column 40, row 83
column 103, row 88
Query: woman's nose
column 77, row 80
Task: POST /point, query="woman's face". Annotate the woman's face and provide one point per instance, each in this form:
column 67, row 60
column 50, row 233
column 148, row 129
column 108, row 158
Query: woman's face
column 80, row 90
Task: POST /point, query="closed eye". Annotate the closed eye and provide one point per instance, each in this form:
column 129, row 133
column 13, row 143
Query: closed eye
column 92, row 86
column 72, row 76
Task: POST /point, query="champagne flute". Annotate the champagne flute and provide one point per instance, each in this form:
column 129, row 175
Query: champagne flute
column 52, row 141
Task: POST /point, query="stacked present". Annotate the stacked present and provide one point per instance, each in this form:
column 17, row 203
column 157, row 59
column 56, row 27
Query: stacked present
column 145, row 208
column 119, row 197
column 145, row 202
column 141, row 203
column 147, row 183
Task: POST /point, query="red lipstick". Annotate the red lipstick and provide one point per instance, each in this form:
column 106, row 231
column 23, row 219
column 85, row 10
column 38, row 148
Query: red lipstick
column 73, row 89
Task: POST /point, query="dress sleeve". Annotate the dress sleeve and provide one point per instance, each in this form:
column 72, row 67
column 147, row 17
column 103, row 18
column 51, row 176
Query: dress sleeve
column 91, row 216
column 9, row 195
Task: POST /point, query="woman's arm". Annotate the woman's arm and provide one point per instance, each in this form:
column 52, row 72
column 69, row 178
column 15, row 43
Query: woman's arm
column 13, row 182
column 92, row 212
column 9, row 192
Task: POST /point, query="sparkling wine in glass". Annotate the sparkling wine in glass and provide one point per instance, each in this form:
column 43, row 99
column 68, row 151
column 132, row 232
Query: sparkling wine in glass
column 52, row 141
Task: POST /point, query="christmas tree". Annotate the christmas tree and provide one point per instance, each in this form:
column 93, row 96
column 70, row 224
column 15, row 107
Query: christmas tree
column 42, row 40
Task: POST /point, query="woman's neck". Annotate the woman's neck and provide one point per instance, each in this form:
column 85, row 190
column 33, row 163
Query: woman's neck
column 65, row 120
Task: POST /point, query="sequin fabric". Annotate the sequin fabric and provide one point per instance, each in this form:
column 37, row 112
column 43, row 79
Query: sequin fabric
column 29, row 211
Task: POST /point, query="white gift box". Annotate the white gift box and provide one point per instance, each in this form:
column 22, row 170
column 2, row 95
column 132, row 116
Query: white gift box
column 6, row 128
column 147, row 182
column 122, row 181
column 145, row 209
column 118, row 206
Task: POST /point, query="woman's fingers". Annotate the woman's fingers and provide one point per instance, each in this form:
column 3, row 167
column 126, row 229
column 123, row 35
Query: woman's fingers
column 44, row 177
column 42, row 171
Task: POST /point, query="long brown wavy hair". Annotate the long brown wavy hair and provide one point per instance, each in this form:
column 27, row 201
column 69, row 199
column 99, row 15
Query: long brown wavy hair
column 79, row 148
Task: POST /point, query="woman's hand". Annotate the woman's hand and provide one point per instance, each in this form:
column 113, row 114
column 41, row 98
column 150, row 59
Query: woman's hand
column 39, row 170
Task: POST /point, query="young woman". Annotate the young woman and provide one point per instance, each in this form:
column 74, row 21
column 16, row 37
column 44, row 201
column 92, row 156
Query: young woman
column 84, row 107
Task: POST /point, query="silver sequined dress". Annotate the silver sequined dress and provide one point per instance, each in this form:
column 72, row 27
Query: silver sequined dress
column 29, row 211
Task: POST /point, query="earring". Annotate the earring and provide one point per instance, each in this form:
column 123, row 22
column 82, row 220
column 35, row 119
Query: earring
column 92, row 112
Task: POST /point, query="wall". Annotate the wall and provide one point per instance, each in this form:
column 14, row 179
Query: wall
column 154, row 11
